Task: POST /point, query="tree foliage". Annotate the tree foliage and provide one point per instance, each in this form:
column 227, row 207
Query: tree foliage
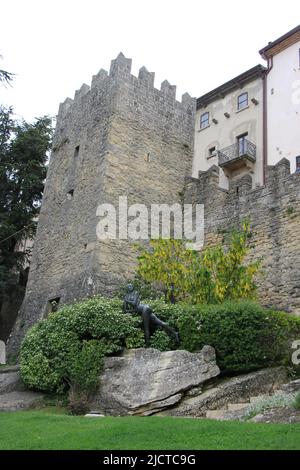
column 212, row 276
column 5, row 77
column 23, row 156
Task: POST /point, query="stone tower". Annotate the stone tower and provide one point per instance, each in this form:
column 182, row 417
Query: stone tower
column 121, row 136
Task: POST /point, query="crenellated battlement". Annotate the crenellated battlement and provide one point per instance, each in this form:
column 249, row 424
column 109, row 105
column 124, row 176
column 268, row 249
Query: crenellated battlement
column 121, row 66
column 278, row 177
column 274, row 213
column 99, row 79
column 83, row 90
column 120, row 73
column 122, row 136
column 168, row 90
column 119, row 136
column 146, row 77
column 65, row 106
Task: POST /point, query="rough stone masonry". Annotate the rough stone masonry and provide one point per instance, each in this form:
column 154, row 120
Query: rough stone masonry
column 274, row 214
column 122, row 137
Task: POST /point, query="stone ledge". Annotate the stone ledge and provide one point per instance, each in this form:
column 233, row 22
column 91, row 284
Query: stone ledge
column 235, row 390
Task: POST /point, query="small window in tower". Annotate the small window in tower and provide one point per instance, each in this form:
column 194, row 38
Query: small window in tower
column 212, row 152
column 76, row 152
column 204, row 120
column 242, row 101
column 53, row 305
column 70, row 194
column 298, row 164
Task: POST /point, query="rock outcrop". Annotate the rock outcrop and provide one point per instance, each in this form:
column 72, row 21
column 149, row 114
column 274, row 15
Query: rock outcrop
column 278, row 415
column 146, row 381
column 235, row 390
column 13, row 395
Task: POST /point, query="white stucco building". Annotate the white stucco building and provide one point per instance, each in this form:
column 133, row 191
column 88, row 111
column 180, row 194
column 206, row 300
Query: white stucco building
column 283, row 98
column 229, row 128
column 254, row 119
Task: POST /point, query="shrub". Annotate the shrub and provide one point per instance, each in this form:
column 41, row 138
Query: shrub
column 246, row 336
column 296, row 403
column 66, row 349
column 147, row 290
column 278, row 400
column 78, row 403
column 161, row 340
column 84, row 366
column 211, row 276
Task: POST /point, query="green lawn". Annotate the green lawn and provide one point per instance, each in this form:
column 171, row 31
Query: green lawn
column 49, row 430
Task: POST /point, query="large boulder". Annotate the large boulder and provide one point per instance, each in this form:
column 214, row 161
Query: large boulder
column 13, row 395
column 14, row 401
column 10, row 380
column 146, row 381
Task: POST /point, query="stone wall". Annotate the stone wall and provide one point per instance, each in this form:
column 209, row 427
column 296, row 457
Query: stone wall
column 274, row 213
column 120, row 137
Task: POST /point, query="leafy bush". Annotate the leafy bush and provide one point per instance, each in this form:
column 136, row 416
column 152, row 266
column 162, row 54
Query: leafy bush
column 246, row 336
column 135, row 341
column 66, row 349
column 84, row 366
column 78, row 403
column 147, row 290
column 211, row 276
column 161, row 340
column 296, row 403
column 278, row 400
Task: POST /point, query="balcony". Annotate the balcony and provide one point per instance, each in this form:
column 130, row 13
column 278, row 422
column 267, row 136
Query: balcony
column 238, row 158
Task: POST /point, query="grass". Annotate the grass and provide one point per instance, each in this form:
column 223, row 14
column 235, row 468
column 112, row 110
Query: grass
column 50, row 430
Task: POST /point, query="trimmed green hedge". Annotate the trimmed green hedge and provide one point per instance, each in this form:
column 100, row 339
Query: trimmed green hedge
column 246, row 336
column 68, row 347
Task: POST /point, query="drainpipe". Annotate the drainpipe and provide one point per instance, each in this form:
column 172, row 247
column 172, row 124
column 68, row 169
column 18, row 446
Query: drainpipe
column 265, row 118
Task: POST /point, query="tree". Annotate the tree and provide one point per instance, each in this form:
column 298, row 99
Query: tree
column 168, row 263
column 5, row 77
column 211, row 276
column 23, row 157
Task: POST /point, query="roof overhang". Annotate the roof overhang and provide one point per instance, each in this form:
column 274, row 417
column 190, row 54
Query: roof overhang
column 238, row 82
column 280, row 44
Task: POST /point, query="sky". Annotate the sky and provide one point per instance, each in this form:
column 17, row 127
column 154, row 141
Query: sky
column 55, row 46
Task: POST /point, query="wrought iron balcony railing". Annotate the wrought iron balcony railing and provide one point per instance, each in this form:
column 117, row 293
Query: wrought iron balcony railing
column 242, row 148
